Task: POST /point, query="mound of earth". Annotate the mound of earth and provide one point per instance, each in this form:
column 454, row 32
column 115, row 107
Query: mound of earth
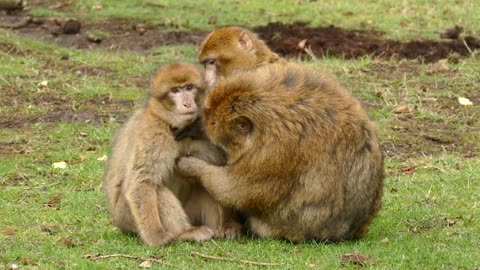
column 285, row 39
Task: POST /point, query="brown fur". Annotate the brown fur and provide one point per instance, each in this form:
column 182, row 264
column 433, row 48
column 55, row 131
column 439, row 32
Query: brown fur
column 234, row 48
column 145, row 194
column 304, row 160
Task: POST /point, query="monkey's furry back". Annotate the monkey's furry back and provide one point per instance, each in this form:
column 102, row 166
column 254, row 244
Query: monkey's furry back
column 311, row 142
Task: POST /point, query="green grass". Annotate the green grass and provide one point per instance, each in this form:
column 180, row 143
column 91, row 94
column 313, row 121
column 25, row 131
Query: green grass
column 51, row 218
column 405, row 19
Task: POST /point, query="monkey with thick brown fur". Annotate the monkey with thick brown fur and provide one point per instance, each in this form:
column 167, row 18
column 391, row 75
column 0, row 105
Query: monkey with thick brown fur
column 145, row 194
column 232, row 48
column 303, row 157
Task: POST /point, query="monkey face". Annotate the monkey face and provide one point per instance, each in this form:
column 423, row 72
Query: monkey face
column 224, row 51
column 177, row 91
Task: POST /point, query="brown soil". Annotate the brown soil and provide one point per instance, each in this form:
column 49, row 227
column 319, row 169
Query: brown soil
column 282, row 38
column 339, row 42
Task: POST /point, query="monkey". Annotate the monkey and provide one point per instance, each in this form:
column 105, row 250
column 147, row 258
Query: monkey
column 145, row 194
column 304, row 161
column 232, row 48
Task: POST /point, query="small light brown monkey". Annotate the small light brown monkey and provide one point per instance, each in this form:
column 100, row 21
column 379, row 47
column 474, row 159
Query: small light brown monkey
column 233, row 48
column 303, row 157
column 145, row 194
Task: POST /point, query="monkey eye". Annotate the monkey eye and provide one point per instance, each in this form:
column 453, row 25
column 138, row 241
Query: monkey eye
column 210, row 62
column 174, row 90
column 189, row 87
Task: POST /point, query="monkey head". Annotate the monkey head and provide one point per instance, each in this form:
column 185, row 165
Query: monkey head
column 177, row 89
column 228, row 49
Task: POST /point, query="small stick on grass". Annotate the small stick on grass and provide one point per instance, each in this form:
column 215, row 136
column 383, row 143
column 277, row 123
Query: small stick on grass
column 466, row 45
column 221, row 249
column 233, row 259
column 22, row 23
column 97, row 257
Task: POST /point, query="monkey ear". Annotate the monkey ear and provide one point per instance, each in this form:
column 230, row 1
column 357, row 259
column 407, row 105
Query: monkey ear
column 245, row 41
column 243, row 125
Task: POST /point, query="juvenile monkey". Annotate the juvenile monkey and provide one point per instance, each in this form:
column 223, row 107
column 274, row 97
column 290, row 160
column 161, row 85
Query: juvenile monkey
column 233, row 48
column 145, row 194
column 304, row 160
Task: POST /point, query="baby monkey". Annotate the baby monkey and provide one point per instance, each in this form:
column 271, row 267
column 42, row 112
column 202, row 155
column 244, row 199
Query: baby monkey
column 145, row 194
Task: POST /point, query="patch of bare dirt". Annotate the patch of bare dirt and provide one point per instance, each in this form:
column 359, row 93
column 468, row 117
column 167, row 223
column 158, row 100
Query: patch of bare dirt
column 60, row 109
column 284, row 39
column 335, row 41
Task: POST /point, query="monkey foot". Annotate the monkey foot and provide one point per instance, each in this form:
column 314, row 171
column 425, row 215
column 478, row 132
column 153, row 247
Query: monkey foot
column 230, row 230
column 159, row 240
column 197, row 234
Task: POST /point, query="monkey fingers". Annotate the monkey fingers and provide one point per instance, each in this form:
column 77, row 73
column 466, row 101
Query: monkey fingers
column 197, row 234
column 190, row 166
column 230, row 230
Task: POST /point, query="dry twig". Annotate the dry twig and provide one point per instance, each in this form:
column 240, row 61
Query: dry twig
column 97, row 257
column 466, row 46
column 22, row 23
column 233, row 259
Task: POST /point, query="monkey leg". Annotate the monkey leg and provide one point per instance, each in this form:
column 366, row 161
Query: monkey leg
column 265, row 230
column 202, row 209
column 171, row 213
column 122, row 216
column 143, row 204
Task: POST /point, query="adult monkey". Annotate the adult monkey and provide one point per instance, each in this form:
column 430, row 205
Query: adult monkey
column 304, row 159
column 232, row 48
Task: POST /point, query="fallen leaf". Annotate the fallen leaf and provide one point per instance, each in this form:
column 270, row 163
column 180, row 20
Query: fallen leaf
column 384, row 240
column 12, row 266
column 82, row 158
column 10, row 231
column 25, row 261
column 102, row 158
column 402, row 109
column 50, row 229
column 464, row 101
column 42, row 84
column 428, row 99
column 302, row 44
column 60, row 165
column 67, row 241
column 450, row 222
column 439, row 66
column 83, row 134
column 355, row 258
column 91, row 256
column 146, row 264
column 53, row 202
column 409, row 169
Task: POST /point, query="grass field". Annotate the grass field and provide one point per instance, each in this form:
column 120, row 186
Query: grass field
column 55, row 108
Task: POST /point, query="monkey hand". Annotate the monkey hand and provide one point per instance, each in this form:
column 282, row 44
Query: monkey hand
column 190, row 166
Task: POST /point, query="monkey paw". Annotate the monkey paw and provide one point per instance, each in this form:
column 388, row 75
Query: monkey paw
column 188, row 166
column 159, row 240
column 230, row 230
column 198, row 234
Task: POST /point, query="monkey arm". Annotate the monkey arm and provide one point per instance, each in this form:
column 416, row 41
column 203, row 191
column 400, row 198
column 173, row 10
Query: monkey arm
column 215, row 179
column 208, row 152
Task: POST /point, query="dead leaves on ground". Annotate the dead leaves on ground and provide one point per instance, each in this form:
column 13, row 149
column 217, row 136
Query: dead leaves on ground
column 356, row 259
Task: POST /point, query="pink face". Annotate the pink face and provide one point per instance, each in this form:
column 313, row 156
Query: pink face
column 210, row 72
column 184, row 99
